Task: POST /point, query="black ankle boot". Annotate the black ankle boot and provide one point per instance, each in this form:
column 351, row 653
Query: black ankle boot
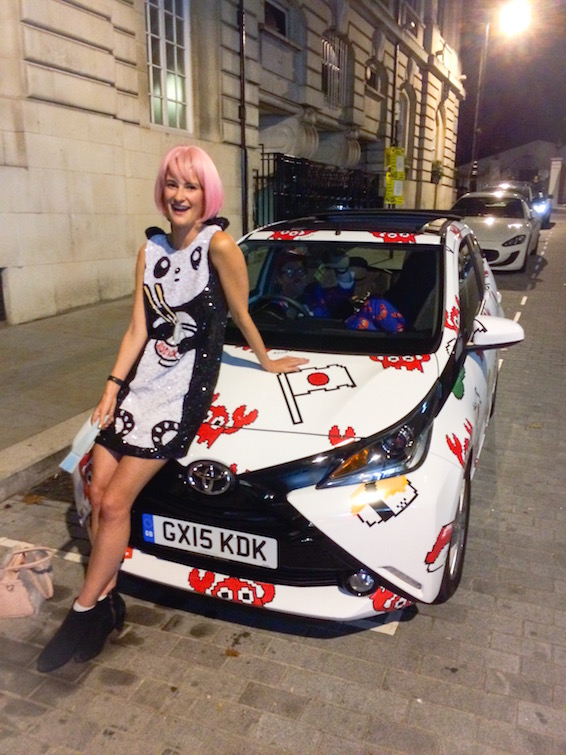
column 113, row 613
column 62, row 646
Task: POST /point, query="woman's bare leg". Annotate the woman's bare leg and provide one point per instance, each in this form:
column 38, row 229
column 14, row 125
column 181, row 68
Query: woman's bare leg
column 111, row 531
column 104, row 464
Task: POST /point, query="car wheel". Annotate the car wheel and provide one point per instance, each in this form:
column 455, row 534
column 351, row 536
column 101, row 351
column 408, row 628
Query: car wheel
column 493, row 398
column 457, row 548
column 524, row 265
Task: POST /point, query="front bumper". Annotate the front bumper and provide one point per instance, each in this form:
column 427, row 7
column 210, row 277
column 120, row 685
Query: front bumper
column 311, row 572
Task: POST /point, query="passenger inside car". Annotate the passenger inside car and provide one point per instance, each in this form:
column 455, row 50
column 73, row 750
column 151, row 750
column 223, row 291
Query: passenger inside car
column 294, row 282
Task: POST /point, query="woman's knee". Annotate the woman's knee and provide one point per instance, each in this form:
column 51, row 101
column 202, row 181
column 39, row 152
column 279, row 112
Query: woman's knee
column 96, row 495
column 111, row 506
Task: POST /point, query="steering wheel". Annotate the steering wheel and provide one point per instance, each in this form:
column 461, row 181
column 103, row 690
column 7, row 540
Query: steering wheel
column 285, row 302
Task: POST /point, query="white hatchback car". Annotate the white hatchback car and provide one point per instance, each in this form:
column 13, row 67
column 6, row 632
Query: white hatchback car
column 340, row 491
column 506, row 228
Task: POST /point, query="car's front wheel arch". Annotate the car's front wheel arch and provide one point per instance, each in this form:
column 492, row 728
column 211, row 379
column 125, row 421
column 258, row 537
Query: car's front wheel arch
column 458, row 541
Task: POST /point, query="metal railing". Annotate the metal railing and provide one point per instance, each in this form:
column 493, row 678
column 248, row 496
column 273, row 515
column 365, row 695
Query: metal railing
column 289, row 187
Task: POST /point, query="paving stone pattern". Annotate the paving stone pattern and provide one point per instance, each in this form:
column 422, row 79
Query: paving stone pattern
column 483, row 674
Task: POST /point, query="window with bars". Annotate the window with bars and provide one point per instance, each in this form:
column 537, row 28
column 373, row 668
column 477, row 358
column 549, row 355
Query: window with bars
column 334, row 70
column 167, row 35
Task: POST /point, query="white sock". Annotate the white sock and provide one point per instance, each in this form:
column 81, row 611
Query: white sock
column 81, row 609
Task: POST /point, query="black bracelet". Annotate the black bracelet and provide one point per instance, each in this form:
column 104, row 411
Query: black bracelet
column 116, row 380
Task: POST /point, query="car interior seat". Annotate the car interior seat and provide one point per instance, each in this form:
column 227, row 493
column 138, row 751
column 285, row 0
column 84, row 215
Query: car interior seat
column 413, row 287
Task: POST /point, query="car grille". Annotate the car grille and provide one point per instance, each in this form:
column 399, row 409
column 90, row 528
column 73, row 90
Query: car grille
column 306, row 556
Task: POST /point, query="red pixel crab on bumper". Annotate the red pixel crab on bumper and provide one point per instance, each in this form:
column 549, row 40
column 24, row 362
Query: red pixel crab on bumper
column 343, row 490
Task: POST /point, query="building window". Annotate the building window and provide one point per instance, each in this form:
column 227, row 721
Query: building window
column 167, row 33
column 334, row 70
column 405, row 131
column 275, row 18
column 410, row 17
column 376, row 77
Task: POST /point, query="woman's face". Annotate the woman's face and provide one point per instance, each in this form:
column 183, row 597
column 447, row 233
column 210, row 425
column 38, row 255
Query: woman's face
column 183, row 200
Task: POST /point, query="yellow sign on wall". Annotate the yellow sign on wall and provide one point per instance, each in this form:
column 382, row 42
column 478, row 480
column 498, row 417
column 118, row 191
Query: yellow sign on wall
column 395, row 159
column 395, row 162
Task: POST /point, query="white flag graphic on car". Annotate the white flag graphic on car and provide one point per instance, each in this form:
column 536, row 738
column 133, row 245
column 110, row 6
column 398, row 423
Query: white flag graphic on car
column 301, row 383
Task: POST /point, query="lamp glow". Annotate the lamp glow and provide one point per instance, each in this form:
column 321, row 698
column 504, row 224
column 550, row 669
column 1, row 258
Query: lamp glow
column 515, row 17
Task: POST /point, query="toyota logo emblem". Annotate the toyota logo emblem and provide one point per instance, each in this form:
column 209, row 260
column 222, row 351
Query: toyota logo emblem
column 210, row 477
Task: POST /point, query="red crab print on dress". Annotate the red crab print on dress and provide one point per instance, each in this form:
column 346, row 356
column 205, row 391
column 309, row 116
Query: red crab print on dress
column 403, row 362
column 231, row 588
column 385, row 600
column 458, row 447
column 221, row 422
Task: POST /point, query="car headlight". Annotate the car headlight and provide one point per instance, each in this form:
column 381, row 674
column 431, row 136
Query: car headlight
column 520, row 239
column 396, row 451
column 540, row 207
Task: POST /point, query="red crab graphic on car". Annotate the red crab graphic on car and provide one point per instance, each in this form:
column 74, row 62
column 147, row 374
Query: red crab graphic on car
column 385, row 600
column 290, row 235
column 221, row 422
column 395, row 238
column 231, row 588
column 403, row 362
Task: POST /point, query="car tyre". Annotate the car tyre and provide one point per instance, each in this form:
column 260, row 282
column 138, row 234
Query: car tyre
column 523, row 267
column 493, row 399
column 457, row 548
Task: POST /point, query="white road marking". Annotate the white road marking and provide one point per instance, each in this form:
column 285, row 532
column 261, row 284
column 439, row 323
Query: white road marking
column 65, row 555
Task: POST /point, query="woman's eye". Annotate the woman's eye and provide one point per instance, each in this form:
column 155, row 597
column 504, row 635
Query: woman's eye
column 161, row 267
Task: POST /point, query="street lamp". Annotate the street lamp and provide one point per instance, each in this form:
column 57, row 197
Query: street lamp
column 514, row 18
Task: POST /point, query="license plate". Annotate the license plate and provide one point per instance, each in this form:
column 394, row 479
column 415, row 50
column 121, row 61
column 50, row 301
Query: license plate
column 210, row 541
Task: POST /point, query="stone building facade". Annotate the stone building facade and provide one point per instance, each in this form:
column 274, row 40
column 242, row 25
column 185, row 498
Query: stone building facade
column 93, row 92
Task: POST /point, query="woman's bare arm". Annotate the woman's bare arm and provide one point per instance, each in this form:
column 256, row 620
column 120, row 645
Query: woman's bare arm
column 229, row 262
column 132, row 343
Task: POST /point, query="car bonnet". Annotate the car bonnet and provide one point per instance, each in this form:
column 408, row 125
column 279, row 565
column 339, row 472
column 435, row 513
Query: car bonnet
column 496, row 230
column 259, row 419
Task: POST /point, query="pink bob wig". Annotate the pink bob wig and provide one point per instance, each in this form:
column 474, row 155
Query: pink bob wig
column 179, row 162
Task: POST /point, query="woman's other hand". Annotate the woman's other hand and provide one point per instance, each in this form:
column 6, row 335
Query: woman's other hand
column 284, row 364
column 104, row 412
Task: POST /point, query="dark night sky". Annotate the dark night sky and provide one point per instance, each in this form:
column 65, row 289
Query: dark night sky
column 524, row 93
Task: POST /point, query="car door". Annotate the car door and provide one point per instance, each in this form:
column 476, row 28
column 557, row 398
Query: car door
column 480, row 367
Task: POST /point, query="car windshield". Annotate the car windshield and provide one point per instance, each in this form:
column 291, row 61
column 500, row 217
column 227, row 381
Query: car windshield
column 523, row 189
column 499, row 207
column 356, row 298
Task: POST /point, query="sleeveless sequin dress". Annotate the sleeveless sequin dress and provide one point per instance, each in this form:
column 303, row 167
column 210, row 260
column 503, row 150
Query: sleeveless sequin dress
column 170, row 388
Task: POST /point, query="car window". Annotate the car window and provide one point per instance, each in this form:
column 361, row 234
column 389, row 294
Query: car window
column 345, row 296
column 470, row 281
column 499, row 207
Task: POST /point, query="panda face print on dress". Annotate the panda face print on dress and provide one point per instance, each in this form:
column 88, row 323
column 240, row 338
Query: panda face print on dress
column 174, row 275
column 154, row 413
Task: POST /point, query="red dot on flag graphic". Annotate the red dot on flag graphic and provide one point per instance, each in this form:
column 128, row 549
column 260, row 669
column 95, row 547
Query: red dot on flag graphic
column 318, row 379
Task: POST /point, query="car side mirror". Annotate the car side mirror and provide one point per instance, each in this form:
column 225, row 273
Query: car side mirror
column 490, row 332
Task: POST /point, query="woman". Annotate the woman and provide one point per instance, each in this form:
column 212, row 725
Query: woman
column 163, row 380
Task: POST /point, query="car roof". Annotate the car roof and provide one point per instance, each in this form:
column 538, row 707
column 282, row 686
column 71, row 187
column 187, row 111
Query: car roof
column 432, row 222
